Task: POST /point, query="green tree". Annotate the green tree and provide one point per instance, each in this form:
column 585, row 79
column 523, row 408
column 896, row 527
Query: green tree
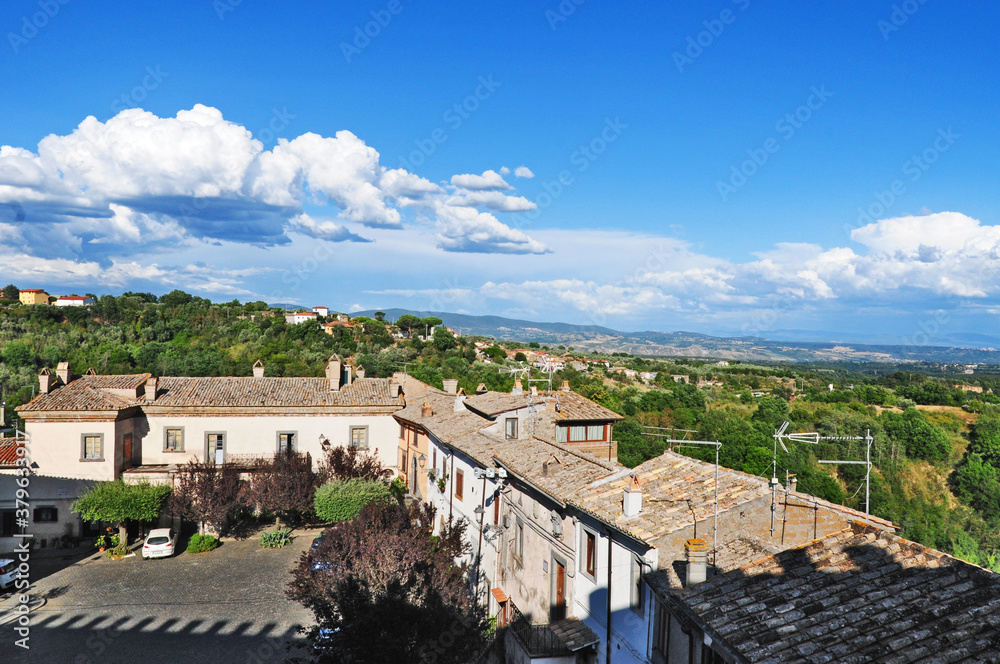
column 408, row 322
column 443, row 339
column 119, row 503
column 11, row 292
column 429, row 322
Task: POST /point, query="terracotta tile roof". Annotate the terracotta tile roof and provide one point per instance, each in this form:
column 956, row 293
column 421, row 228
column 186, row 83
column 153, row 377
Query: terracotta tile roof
column 573, row 407
column 677, row 491
column 8, row 455
column 574, row 634
column 100, row 393
column 859, row 595
column 492, row 404
column 250, row 392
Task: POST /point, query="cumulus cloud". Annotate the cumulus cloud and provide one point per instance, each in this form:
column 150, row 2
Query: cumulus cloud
column 523, row 172
column 138, row 181
column 488, row 180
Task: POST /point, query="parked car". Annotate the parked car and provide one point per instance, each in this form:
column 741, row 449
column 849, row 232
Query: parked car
column 8, row 572
column 160, row 543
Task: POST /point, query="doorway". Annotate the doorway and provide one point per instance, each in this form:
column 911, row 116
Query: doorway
column 557, row 607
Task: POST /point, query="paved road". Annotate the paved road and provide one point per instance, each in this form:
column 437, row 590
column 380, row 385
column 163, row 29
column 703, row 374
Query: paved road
column 224, row 606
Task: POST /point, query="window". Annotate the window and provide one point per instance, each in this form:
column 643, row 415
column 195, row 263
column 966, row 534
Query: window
column 215, row 447
column 581, row 433
column 519, row 539
column 402, row 432
column 286, row 441
column 661, row 632
column 93, row 447
column 359, row 438
column 636, row 601
column 589, row 546
column 459, row 484
column 511, row 427
column 173, row 440
column 709, row 656
column 46, row 514
column 127, row 449
column 434, row 459
column 402, row 462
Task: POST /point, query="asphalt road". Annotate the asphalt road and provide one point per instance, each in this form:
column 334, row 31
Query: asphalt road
column 227, row 605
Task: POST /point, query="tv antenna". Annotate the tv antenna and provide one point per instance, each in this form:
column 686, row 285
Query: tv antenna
column 716, row 445
column 813, row 438
column 518, row 371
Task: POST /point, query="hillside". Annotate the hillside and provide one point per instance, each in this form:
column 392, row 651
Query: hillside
column 593, row 338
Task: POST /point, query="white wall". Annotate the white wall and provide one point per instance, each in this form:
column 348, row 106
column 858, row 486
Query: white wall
column 57, row 449
column 259, row 435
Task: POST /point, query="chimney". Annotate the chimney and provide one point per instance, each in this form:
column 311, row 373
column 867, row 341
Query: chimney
column 426, row 410
column 333, row 373
column 151, row 388
column 460, row 403
column 696, row 552
column 45, row 381
column 792, row 482
column 517, row 388
column 481, row 388
column 451, row 386
column 394, row 389
column 534, row 391
column 361, row 372
column 64, row 373
column 348, row 369
column 632, row 500
column 565, row 386
column 258, row 369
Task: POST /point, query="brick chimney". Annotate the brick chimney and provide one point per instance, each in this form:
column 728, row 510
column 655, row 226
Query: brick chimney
column 451, row 386
column 426, row 410
column 361, row 372
column 481, row 388
column 258, row 369
column 632, row 500
column 150, row 392
column 333, row 373
column 45, row 381
column 64, row 373
column 517, row 388
column 565, row 386
column 696, row 552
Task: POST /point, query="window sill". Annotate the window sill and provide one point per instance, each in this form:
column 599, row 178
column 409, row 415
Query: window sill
column 92, row 460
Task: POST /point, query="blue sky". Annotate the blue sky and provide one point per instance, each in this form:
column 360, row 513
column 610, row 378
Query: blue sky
column 725, row 167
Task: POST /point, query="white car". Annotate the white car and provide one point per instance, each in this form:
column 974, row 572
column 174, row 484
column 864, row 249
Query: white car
column 8, row 572
column 160, row 543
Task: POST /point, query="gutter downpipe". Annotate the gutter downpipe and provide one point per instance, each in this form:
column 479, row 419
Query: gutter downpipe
column 479, row 552
column 608, row 637
column 451, row 494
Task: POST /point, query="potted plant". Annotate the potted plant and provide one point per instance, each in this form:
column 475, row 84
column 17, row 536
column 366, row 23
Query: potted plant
column 442, row 482
column 432, row 474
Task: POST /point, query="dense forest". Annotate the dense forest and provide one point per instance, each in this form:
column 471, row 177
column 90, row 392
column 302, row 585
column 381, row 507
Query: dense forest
column 936, row 440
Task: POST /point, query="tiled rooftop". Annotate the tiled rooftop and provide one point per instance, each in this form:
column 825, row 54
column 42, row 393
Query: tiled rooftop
column 859, row 595
column 8, row 452
column 91, row 393
column 573, row 407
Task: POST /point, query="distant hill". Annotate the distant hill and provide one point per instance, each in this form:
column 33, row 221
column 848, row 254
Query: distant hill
column 963, row 348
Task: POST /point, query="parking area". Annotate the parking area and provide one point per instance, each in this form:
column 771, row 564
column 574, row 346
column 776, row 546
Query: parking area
column 227, row 605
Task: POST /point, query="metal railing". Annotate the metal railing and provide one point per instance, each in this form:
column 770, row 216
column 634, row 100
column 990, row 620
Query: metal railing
column 537, row 640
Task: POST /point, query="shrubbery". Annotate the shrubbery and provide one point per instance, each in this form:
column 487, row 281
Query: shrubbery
column 202, row 543
column 275, row 539
column 343, row 500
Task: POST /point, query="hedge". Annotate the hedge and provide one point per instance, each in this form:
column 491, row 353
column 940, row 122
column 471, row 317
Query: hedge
column 342, row 500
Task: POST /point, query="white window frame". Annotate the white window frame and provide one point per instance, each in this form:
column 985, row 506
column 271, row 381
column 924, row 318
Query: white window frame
column 582, row 556
column 83, row 446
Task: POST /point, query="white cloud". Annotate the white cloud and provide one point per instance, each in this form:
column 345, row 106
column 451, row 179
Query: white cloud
column 139, row 180
column 488, row 180
column 523, row 172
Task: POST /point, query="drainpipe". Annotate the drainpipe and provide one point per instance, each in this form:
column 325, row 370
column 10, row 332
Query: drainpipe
column 479, row 552
column 451, row 494
column 608, row 639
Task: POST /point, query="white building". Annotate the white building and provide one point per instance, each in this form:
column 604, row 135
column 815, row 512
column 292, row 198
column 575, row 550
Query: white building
column 138, row 426
column 321, row 311
column 74, row 301
column 300, row 317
